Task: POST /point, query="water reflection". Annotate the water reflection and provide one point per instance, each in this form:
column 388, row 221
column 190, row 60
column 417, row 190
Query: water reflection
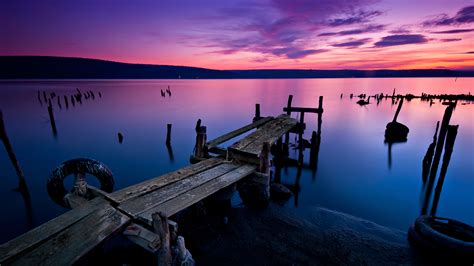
column 353, row 139
column 280, row 151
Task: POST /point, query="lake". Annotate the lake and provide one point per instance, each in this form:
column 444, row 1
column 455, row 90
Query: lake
column 354, row 173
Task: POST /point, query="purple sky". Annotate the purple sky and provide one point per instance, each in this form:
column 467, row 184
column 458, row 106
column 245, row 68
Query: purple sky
column 325, row 34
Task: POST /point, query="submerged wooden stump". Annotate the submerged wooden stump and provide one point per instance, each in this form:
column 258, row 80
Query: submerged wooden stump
column 254, row 190
column 395, row 131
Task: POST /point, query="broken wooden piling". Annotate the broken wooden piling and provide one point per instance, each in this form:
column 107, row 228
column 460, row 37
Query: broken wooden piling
column 429, row 156
column 11, row 154
column 168, row 133
column 437, row 156
column 51, row 118
column 448, row 150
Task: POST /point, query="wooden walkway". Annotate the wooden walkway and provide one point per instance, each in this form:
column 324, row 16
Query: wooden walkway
column 69, row 237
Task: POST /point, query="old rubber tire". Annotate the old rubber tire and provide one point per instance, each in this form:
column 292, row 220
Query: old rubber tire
column 426, row 234
column 55, row 184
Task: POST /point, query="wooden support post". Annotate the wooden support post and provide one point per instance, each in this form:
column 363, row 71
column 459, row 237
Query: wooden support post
column 254, row 190
column 439, row 149
column 8, row 147
column 288, row 112
column 51, row 118
column 160, row 227
column 168, row 133
column 314, row 152
column 264, row 166
column 320, row 114
column 66, row 101
column 448, row 150
column 80, row 184
column 257, row 112
column 200, row 151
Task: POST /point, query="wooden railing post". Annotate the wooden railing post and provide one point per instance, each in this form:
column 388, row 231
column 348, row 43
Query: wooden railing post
column 257, row 112
column 288, row 112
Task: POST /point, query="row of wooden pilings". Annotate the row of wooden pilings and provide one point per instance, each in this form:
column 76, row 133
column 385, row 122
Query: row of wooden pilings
column 445, row 139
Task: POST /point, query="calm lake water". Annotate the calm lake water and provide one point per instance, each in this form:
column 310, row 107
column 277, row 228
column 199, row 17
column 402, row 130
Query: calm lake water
column 354, row 173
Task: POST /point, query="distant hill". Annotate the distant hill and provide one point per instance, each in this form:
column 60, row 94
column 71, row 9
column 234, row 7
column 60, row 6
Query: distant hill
column 49, row 67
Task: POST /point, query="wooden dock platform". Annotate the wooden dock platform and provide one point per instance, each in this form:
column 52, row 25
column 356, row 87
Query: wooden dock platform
column 69, row 237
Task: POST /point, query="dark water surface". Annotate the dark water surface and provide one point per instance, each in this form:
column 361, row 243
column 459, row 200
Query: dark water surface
column 354, row 173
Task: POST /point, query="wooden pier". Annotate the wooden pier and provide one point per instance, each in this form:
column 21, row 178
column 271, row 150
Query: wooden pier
column 71, row 236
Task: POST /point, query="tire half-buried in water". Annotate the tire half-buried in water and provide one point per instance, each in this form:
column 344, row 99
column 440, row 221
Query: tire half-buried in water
column 446, row 236
column 55, row 184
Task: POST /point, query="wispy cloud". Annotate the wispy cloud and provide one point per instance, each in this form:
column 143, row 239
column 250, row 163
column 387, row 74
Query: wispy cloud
column 463, row 16
column 359, row 17
column 453, row 31
column 366, row 29
column 353, row 43
column 451, row 40
column 286, row 28
column 401, row 39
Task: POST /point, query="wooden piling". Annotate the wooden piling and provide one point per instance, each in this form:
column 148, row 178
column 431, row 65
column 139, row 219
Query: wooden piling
column 429, row 155
column 120, row 137
column 11, row 154
column 66, row 101
column 264, row 166
column 51, row 118
column 320, row 114
column 80, row 184
column 161, row 228
column 201, row 138
column 257, row 112
column 399, row 108
column 448, row 150
column 437, row 156
column 168, row 133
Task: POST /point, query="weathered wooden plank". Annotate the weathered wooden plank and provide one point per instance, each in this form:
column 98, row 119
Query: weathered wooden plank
column 141, row 204
column 303, row 109
column 32, row 239
column 157, row 182
column 189, row 198
column 213, row 143
column 258, row 133
column 270, row 136
column 77, row 240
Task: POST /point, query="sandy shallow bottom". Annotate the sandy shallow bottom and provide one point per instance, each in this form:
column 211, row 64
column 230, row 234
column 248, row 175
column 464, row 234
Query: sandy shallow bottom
column 277, row 236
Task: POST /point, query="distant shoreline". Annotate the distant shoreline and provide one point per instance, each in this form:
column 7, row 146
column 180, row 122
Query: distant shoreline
column 49, row 67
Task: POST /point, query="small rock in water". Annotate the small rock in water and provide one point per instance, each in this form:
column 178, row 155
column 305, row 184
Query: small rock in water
column 280, row 192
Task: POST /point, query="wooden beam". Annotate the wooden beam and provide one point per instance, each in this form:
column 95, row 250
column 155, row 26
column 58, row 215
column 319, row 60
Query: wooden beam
column 213, row 143
column 303, row 109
